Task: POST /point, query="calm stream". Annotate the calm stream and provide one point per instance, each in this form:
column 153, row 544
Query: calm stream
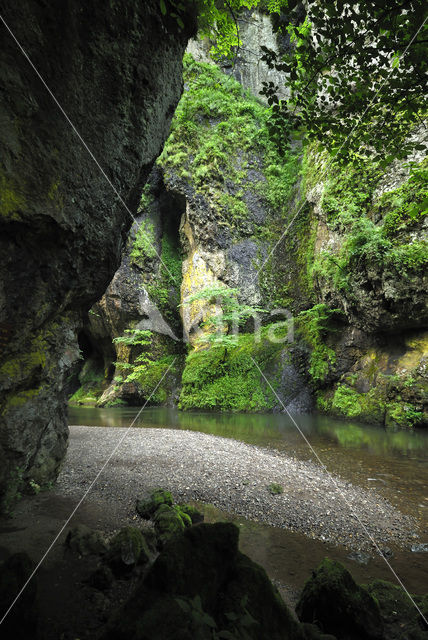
column 394, row 463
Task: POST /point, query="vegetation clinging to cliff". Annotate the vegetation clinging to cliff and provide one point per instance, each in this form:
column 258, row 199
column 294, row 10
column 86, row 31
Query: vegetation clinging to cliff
column 375, row 232
column 220, row 132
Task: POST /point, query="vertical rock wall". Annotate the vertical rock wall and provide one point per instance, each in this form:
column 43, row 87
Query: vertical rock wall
column 255, row 31
column 115, row 69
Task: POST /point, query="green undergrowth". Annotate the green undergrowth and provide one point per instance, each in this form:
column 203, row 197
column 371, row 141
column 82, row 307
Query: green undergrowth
column 376, row 405
column 376, row 232
column 404, row 207
column 218, row 133
column 154, row 367
column 368, row 246
column 228, row 379
column 313, row 325
column 93, row 383
column 157, row 375
column 144, row 247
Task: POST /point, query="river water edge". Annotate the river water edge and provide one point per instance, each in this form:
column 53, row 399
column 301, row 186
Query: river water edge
column 392, row 464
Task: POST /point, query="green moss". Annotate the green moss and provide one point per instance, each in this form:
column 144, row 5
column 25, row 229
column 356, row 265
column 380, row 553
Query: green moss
column 227, row 379
column 127, row 549
column 398, row 611
column 404, row 207
column 170, row 521
column 275, row 489
column 55, row 195
column 153, row 375
column 340, row 606
column 348, row 192
column 347, row 401
column 146, row 200
column 144, row 246
column 12, row 202
column 367, row 246
column 371, row 230
column 149, row 360
column 93, row 383
column 314, row 325
column 165, row 290
column 219, row 132
column 19, row 399
column 23, row 365
column 117, row 402
column 403, row 414
column 83, row 396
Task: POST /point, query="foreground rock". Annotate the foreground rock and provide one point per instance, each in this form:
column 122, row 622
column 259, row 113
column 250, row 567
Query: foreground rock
column 338, row 605
column 22, row 620
column 116, row 71
column 201, row 583
column 379, row 611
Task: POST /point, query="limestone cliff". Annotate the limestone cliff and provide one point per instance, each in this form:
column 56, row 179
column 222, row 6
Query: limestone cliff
column 369, row 262
column 224, row 191
column 343, row 249
column 115, row 72
column 246, row 66
column 144, row 296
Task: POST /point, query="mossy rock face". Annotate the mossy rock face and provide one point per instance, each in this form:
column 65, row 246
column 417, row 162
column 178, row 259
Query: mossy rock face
column 147, row 508
column 400, row 616
column 332, row 599
column 69, row 247
column 127, row 549
column 85, row 541
column 201, row 587
column 21, row 622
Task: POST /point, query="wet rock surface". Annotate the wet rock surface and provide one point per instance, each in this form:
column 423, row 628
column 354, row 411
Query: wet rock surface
column 332, row 600
column 116, row 71
column 201, row 582
column 377, row 611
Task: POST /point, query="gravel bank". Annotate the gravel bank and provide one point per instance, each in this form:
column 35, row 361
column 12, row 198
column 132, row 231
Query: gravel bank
column 234, row 477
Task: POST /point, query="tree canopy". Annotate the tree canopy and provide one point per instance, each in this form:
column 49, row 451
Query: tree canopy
column 356, row 72
column 356, row 75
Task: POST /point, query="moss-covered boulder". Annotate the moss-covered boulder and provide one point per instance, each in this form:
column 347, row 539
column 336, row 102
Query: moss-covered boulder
column 85, row 541
column 21, row 622
column 170, row 521
column 193, row 513
column 147, row 508
column 128, row 548
column 201, row 585
column 400, row 617
column 334, row 602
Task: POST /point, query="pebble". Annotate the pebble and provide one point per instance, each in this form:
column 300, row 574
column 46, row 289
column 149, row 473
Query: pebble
column 419, row 548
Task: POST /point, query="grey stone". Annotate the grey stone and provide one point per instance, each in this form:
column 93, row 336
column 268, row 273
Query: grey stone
column 116, row 71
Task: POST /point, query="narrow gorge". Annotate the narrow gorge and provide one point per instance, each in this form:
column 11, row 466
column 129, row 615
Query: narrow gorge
column 223, row 207
column 213, row 320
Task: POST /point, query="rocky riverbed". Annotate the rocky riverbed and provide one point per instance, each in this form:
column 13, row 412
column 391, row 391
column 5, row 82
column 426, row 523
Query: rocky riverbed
column 233, row 476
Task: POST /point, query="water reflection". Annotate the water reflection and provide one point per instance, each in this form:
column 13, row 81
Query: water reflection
column 264, row 429
column 394, row 464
